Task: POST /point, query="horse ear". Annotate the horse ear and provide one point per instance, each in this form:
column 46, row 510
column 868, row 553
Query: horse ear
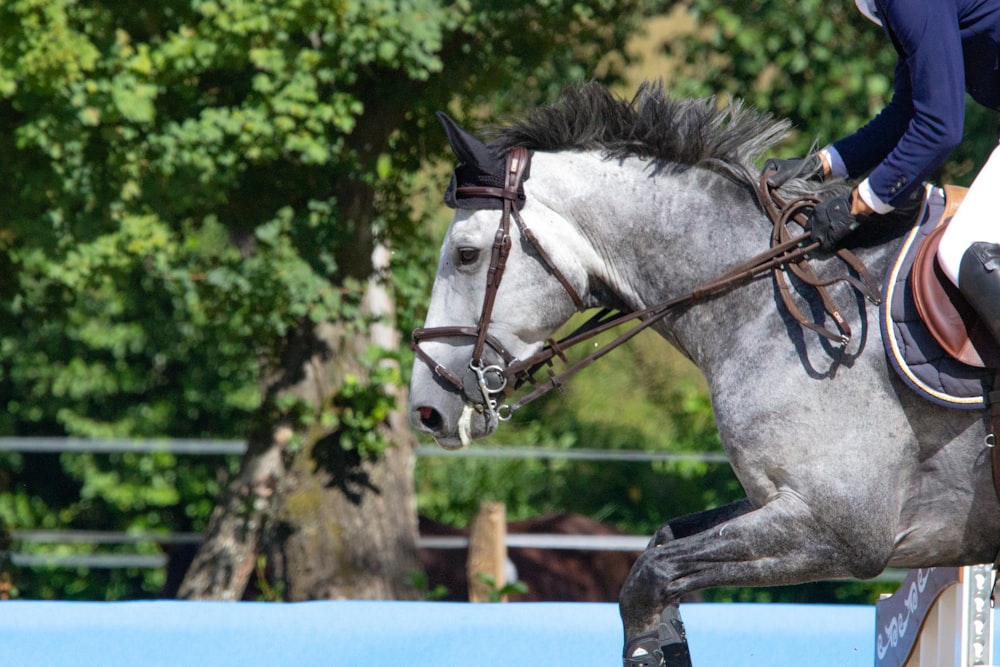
column 464, row 145
column 478, row 164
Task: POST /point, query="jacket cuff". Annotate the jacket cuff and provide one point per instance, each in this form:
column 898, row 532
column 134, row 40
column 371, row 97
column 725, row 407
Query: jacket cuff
column 832, row 157
column 872, row 199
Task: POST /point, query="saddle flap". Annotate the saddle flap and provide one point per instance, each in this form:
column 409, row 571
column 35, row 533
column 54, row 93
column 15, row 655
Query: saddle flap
column 948, row 317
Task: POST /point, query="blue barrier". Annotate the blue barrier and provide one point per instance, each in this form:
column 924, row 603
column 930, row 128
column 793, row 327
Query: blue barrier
column 413, row 634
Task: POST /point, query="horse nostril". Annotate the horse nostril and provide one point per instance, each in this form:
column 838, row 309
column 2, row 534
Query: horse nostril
column 430, row 418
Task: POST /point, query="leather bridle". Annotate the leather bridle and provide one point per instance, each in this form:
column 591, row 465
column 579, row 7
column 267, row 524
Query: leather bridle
column 483, row 385
column 481, row 381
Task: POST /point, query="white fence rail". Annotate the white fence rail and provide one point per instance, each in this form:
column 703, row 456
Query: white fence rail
column 238, row 447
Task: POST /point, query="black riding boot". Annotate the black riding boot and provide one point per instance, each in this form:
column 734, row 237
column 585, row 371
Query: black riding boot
column 979, row 283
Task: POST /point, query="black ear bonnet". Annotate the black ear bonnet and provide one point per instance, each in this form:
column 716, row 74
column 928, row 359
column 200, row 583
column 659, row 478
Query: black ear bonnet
column 478, row 164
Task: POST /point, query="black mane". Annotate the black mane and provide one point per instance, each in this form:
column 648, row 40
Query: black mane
column 652, row 125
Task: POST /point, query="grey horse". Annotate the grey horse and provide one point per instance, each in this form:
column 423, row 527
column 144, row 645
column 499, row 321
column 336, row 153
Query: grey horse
column 846, row 471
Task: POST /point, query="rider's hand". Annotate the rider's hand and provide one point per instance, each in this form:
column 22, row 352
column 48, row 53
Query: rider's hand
column 781, row 171
column 833, row 219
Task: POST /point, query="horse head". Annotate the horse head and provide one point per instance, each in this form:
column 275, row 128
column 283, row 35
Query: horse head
column 500, row 292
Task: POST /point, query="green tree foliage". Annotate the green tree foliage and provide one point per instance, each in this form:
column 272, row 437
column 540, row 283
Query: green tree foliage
column 187, row 183
column 820, row 64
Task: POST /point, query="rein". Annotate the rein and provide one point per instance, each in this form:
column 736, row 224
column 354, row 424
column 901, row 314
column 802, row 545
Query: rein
column 484, row 385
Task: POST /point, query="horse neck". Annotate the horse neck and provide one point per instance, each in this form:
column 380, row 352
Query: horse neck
column 659, row 233
column 662, row 233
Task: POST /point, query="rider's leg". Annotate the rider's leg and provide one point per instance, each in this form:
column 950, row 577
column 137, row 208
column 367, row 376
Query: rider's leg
column 969, row 253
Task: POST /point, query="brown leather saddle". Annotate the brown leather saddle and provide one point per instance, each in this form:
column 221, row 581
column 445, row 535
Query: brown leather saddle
column 944, row 311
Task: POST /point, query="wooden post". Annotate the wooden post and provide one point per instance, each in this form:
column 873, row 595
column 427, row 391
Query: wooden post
column 487, row 552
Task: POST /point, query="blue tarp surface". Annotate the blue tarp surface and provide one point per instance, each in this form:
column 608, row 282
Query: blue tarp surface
column 414, row 634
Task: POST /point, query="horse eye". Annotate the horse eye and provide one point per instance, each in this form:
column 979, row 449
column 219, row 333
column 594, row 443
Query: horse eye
column 468, row 255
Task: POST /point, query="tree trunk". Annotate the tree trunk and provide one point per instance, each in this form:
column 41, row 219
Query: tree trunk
column 306, row 518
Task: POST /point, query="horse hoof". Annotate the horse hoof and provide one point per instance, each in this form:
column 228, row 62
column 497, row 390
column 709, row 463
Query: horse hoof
column 665, row 647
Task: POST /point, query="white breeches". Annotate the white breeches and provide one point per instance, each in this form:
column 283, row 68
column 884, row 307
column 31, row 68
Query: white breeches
column 978, row 218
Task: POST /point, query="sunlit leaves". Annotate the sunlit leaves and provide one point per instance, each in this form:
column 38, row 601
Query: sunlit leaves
column 822, row 65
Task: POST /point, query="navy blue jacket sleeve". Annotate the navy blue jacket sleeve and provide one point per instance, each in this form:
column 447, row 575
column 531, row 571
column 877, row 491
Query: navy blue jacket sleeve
column 867, row 147
column 923, row 123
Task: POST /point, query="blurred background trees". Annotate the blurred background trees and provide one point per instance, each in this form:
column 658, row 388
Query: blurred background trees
column 201, row 201
column 218, row 215
column 820, row 64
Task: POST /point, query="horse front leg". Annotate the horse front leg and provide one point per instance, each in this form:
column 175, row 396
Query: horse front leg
column 779, row 543
column 667, row 645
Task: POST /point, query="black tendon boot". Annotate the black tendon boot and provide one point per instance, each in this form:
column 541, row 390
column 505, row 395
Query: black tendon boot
column 665, row 647
column 979, row 283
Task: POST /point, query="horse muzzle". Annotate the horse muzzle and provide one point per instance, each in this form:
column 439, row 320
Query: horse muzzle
column 457, row 430
column 455, row 410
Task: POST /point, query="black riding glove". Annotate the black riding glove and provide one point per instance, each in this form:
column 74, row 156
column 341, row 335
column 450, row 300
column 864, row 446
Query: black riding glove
column 782, row 171
column 831, row 221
